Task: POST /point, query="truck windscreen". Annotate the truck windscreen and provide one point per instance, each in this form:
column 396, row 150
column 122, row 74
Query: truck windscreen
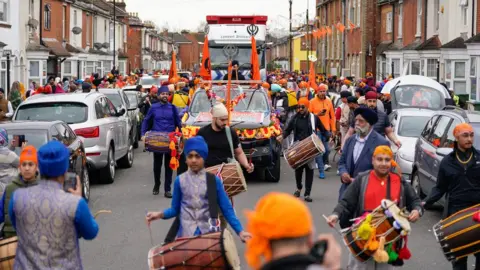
column 219, row 60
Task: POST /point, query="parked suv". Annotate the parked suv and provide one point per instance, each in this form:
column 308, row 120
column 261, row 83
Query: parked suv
column 435, row 142
column 95, row 119
column 121, row 101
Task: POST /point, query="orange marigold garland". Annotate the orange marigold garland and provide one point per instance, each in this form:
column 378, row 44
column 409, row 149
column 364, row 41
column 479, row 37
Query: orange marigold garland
column 174, row 161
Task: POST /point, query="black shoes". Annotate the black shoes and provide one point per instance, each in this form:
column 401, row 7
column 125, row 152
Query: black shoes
column 168, row 194
column 296, row 193
column 155, row 190
column 308, row 199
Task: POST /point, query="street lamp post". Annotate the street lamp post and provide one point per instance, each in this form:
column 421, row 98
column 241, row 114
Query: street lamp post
column 114, row 30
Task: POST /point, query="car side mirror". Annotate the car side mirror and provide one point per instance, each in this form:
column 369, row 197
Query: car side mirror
column 444, row 151
column 121, row 112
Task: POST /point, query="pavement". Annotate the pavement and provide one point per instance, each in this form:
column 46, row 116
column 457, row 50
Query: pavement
column 123, row 241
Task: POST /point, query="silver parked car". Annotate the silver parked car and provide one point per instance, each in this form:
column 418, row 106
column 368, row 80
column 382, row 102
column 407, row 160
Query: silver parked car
column 407, row 125
column 121, row 101
column 94, row 118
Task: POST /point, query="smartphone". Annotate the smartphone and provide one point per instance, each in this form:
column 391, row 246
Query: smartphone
column 70, row 181
column 19, row 140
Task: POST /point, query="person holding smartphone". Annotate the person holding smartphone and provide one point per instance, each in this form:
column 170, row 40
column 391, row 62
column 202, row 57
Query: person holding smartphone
column 48, row 213
column 9, row 160
column 26, row 178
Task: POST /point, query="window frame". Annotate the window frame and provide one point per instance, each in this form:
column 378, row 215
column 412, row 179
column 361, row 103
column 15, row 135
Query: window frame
column 418, row 32
column 6, row 12
column 434, row 128
column 400, row 20
column 388, row 22
column 47, row 17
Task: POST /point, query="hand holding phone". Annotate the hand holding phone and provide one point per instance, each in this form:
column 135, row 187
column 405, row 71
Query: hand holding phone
column 72, row 184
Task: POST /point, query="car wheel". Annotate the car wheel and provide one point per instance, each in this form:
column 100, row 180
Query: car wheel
column 127, row 160
column 272, row 174
column 85, row 184
column 416, row 186
column 107, row 175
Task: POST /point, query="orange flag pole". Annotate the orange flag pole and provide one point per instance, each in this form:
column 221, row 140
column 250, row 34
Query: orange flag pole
column 229, row 86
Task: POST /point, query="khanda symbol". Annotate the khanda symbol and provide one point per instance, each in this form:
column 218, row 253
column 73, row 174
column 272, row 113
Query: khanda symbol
column 252, row 30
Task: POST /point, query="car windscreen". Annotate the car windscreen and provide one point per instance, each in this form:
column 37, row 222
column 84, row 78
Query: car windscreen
column 116, row 99
column 411, row 126
column 68, row 112
column 150, row 81
column 419, row 96
column 254, row 101
column 36, row 138
column 132, row 98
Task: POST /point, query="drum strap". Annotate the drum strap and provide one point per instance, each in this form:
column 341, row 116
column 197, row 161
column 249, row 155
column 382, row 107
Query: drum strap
column 213, row 221
column 389, row 192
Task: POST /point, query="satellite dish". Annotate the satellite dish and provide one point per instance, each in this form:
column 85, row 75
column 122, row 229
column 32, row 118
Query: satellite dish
column 76, row 30
column 312, row 58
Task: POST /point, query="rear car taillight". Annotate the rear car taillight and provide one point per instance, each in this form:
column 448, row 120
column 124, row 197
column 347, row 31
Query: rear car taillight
column 90, row 132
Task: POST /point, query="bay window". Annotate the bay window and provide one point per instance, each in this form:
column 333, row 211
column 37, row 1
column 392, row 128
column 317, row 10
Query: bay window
column 456, row 79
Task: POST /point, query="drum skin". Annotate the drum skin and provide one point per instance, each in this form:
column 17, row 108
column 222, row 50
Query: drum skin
column 459, row 234
column 302, row 152
column 206, row 252
column 159, row 142
column 8, row 248
column 232, row 176
column 356, row 246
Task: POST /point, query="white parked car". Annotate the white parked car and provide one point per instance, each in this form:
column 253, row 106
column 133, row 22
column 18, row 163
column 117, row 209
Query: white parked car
column 407, row 125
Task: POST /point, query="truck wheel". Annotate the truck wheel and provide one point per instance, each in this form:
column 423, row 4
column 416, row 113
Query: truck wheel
column 272, row 174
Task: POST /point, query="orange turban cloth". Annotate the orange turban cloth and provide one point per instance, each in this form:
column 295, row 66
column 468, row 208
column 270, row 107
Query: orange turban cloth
column 322, row 87
column 463, row 127
column 276, row 216
column 304, row 101
column 29, row 153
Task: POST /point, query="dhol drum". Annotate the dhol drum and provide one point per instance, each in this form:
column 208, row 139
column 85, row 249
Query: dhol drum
column 8, row 249
column 159, row 142
column 302, row 152
column 232, row 177
column 208, row 251
column 459, row 234
column 383, row 222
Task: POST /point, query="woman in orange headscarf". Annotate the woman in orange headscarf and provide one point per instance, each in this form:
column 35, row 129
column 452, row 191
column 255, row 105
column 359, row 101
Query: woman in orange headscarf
column 367, row 192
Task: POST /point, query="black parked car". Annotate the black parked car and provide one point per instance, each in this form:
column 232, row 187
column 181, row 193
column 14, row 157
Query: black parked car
column 38, row 133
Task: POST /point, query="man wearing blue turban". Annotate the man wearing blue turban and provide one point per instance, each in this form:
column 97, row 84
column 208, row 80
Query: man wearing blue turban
column 191, row 197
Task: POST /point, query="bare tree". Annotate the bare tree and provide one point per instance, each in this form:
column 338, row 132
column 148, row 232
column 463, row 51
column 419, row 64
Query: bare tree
column 201, row 26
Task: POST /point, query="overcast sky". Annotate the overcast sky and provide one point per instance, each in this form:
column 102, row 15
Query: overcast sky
column 188, row 14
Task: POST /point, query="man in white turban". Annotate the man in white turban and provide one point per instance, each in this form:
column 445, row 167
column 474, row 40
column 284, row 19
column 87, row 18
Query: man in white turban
column 219, row 148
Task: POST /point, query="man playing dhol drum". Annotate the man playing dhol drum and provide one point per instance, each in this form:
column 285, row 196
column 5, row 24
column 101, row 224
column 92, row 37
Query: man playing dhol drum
column 367, row 192
column 162, row 116
column 303, row 125
column 191, row 197
column 459, row 178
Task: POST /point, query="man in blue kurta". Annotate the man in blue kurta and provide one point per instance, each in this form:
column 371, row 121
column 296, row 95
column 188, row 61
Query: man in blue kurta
column 190, row 202
column 163, row 117
column 49, row 220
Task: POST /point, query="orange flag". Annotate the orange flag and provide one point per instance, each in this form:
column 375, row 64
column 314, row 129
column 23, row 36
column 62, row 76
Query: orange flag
column 352, row 25
column 311, row 76
column 206, row 68
column 255, row 73
column 340, row 27
column 173, row 67
column 324, row 32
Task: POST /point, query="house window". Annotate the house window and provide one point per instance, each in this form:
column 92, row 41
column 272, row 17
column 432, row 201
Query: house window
column 436, row 15
column 31, row 8
column 415, row 67
column 124, row 33
column 358, row 12
column 473, row 78
column 75, row 19
column 419, row 18
column 396, row 68
column 459, row 70
column 388, row 21
column 432, row 68
column 4, row 10
column 64, row 23
column 352, row 12
column 3, row 74
column 89, row 68
column 67, row 69
column 458, row 79
column 464, row 7
column 105, row 31
column 47, row 17
column 95, row 23
column 89, row 33
column 400, row 20
column 34, row 70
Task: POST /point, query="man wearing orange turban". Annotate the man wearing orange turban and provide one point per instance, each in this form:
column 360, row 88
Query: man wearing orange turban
column 282, row 236
column 303, row 125
column 458, row 178
column 367, row 192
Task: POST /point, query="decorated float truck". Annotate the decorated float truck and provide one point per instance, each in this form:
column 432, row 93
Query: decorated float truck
column 253, row 119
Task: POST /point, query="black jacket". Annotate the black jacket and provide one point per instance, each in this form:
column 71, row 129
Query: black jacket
column 234, row 76
column 301, row 127
column 351, row 204
column 294, row 262
column 461, row 185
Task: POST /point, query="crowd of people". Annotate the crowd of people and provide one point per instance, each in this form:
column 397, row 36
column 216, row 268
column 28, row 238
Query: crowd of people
column 48, row 219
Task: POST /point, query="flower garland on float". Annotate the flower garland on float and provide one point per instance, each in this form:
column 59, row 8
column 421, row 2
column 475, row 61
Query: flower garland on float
column 174, row 141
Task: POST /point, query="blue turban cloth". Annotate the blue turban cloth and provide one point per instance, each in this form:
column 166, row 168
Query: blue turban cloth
column 53, row 159
column 198, row 145
column 163, row 89
column 276, row 88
